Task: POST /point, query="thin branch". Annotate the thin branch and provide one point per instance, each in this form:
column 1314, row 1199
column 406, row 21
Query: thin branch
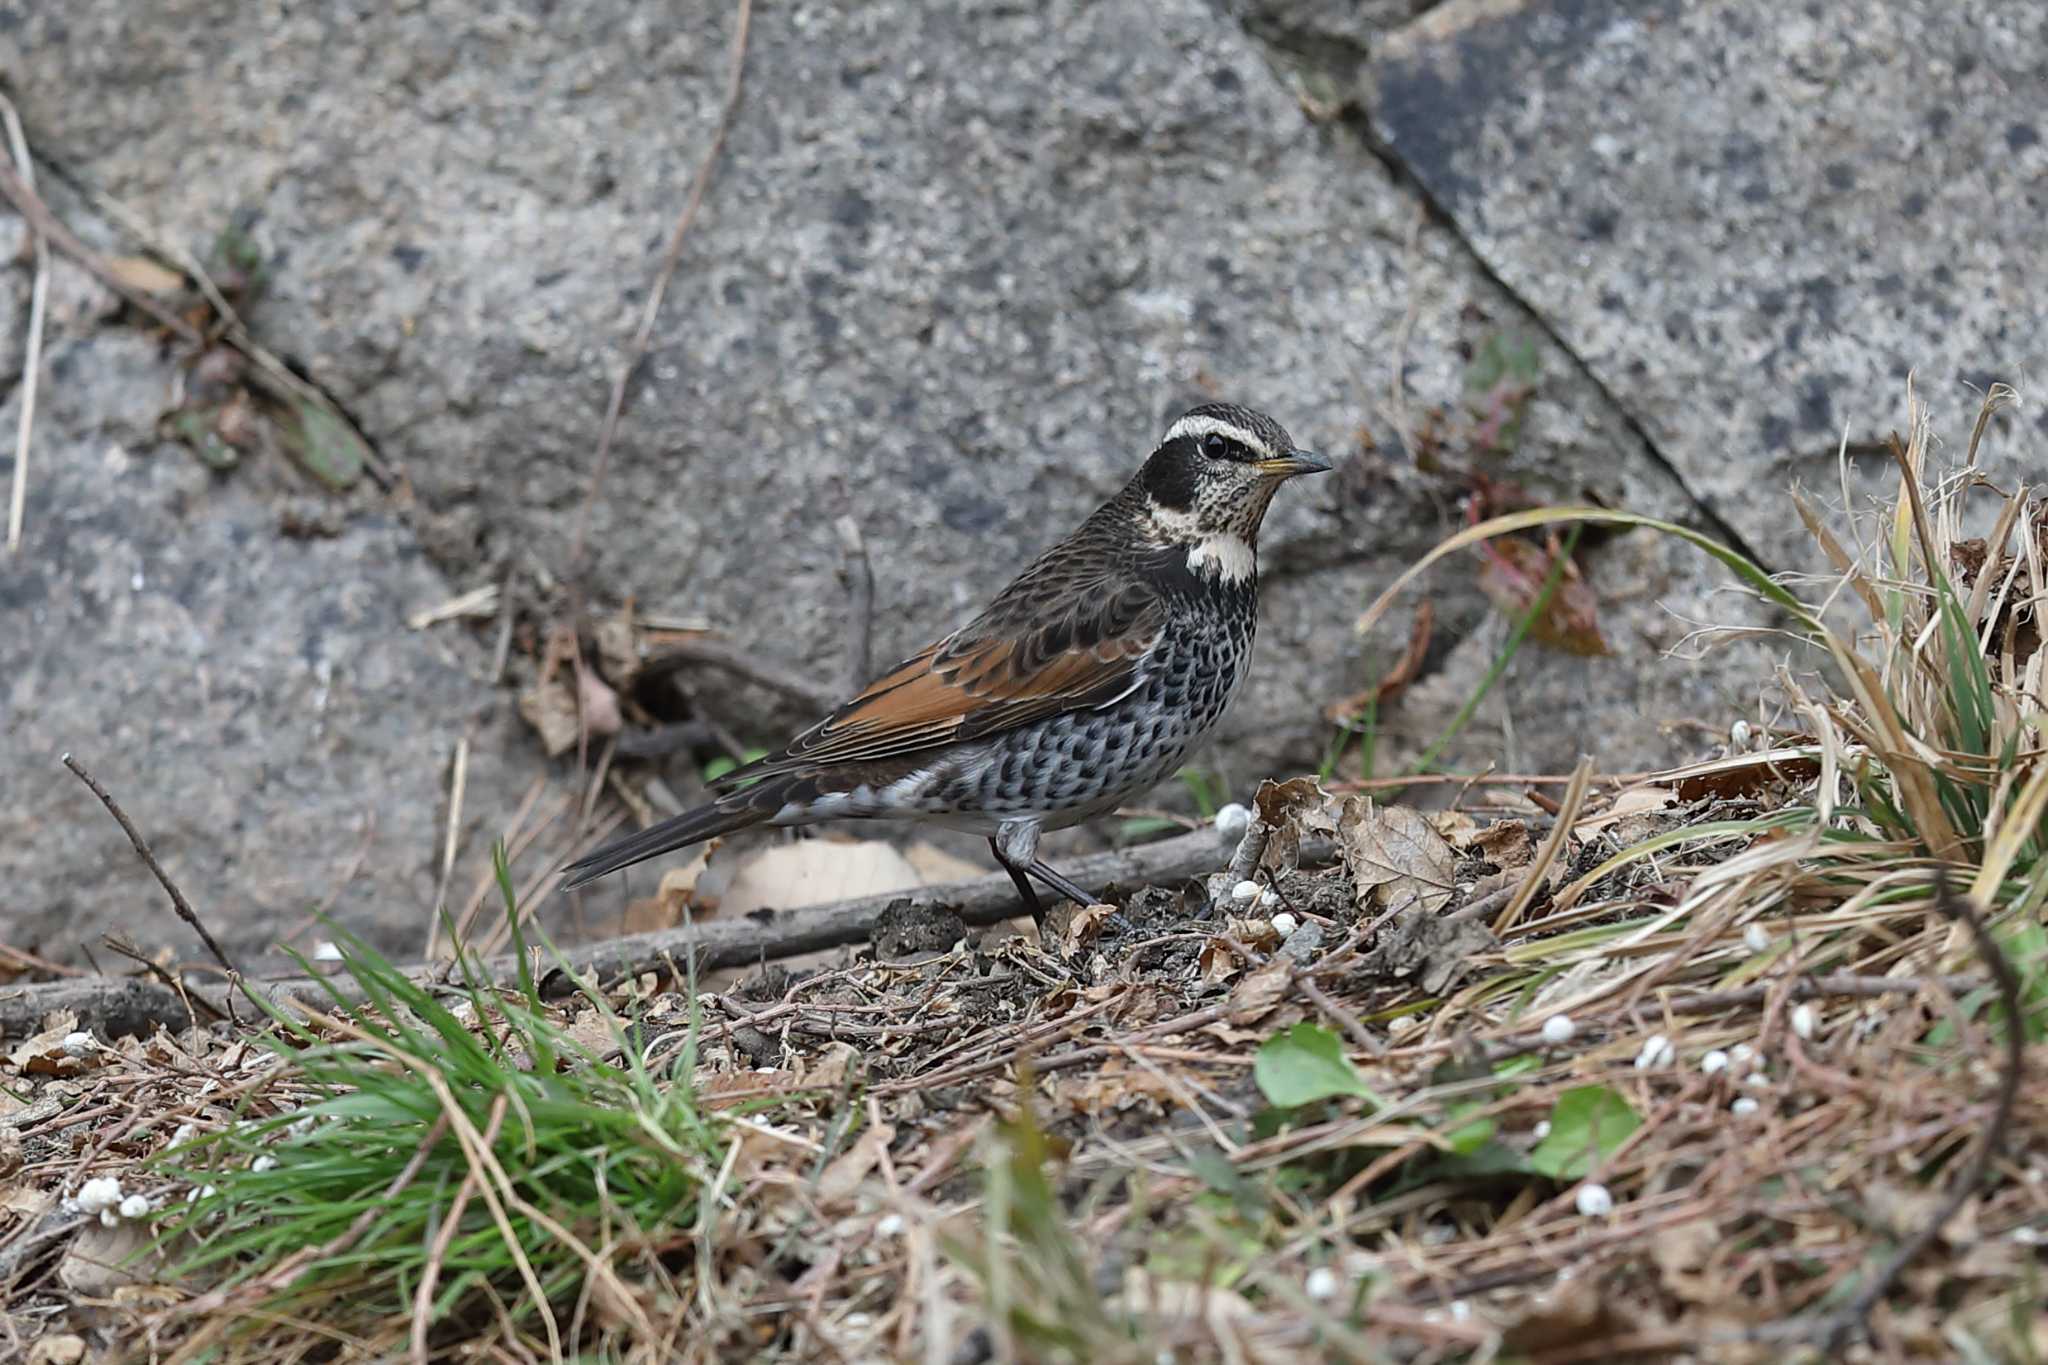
column 30, row 205
column 142, row 850
column 645, row 333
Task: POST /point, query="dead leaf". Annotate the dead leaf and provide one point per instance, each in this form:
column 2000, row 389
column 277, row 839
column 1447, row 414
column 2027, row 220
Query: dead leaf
column 550, row 708
column 840, row 1179
column 1681, row 1255
column 1085, row 925
column 815, row 872
column 47, row 1053
column 1394, row 853
column 1573, row 1313
column 144, row 275
column 600, row 705
column 1628, row 803
column 1293, row 809
column 936, row 867
column 1512, row 573
column 1262, row 988
column 1505, row 843
column 102, row 1258
column 60, row 1349
column 1743, row 774
column 1433, row 949
column 618, row 650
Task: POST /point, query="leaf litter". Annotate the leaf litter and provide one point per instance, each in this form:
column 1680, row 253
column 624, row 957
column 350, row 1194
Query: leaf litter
column 1723, row 1059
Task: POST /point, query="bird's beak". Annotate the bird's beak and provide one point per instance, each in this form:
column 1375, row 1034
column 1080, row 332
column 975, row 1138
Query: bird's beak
column 1294, row 462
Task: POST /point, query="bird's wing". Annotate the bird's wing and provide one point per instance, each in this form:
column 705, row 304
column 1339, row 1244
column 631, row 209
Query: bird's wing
column 1061, row 638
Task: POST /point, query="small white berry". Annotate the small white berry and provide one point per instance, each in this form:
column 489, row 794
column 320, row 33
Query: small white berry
column 1804, row 1020
column 1460, row 1310
column 1593, row 1200
column 1743, row 1106
column 889, row 1225
column 1244, row 893
column 99, row 1193
column 1756, row 938
column 135, row 1206
column 1559, row 1028
column 1657, row 1052
column 1541, row 1130
column 1285, row 924
column 1714, row 1061
column 326, row 951
column 266, row 1162
column 1233, row 820
column 1756, row 1080
column 1322, row 1284
column 1741, row 1053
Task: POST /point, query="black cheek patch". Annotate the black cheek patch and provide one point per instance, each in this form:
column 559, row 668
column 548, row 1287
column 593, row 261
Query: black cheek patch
column 1170, row 478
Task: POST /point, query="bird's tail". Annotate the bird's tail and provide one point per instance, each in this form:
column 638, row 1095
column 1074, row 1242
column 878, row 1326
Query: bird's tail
column 735, row 810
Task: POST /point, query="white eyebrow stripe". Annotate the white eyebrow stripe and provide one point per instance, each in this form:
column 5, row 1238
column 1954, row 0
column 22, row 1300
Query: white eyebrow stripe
column 1206, row 426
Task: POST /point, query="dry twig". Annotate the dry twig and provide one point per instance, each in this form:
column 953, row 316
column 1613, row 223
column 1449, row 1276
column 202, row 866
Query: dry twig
column 142, row 850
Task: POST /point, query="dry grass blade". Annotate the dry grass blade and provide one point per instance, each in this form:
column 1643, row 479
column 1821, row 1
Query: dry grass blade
column 32, row 359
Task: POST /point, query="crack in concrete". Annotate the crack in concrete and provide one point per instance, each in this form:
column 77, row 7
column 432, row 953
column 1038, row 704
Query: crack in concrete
column 1342, row 60
column 1356, row 120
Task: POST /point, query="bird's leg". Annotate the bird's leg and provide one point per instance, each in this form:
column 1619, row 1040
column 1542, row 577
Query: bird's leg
column 1025, row 889
column 1063, row 884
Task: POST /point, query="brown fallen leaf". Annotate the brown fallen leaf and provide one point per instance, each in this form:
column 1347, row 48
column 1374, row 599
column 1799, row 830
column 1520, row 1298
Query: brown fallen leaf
column 839, row 1180
column 144, row 275
column 550, row 708
column 1431, row 949
column 816, row 872
column 1393, row 853
column 1293, row 810
column 1512, row 572
column 1261, row 989
column 1505, row 843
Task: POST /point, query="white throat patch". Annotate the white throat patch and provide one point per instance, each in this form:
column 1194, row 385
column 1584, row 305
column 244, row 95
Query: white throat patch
column 1233, row 560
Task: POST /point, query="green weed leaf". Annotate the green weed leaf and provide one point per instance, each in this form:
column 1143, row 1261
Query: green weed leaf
column 1587, row 1123
column 1305, row 1064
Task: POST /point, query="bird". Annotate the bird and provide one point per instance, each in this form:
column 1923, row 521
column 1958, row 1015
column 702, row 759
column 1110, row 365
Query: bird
column 1082, row 684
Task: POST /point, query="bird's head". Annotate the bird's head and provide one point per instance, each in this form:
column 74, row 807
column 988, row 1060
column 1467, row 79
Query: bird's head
column 1209, row 482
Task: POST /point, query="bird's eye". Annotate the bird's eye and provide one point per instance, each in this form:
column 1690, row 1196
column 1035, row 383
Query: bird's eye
column 1214, row 446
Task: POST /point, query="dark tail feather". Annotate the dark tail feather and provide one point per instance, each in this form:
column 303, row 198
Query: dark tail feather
column 723, row 816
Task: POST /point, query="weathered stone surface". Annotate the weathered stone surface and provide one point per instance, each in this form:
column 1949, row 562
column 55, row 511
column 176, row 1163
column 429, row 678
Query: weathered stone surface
column 1751, row 219
column 254, row 702
column 957, row 269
